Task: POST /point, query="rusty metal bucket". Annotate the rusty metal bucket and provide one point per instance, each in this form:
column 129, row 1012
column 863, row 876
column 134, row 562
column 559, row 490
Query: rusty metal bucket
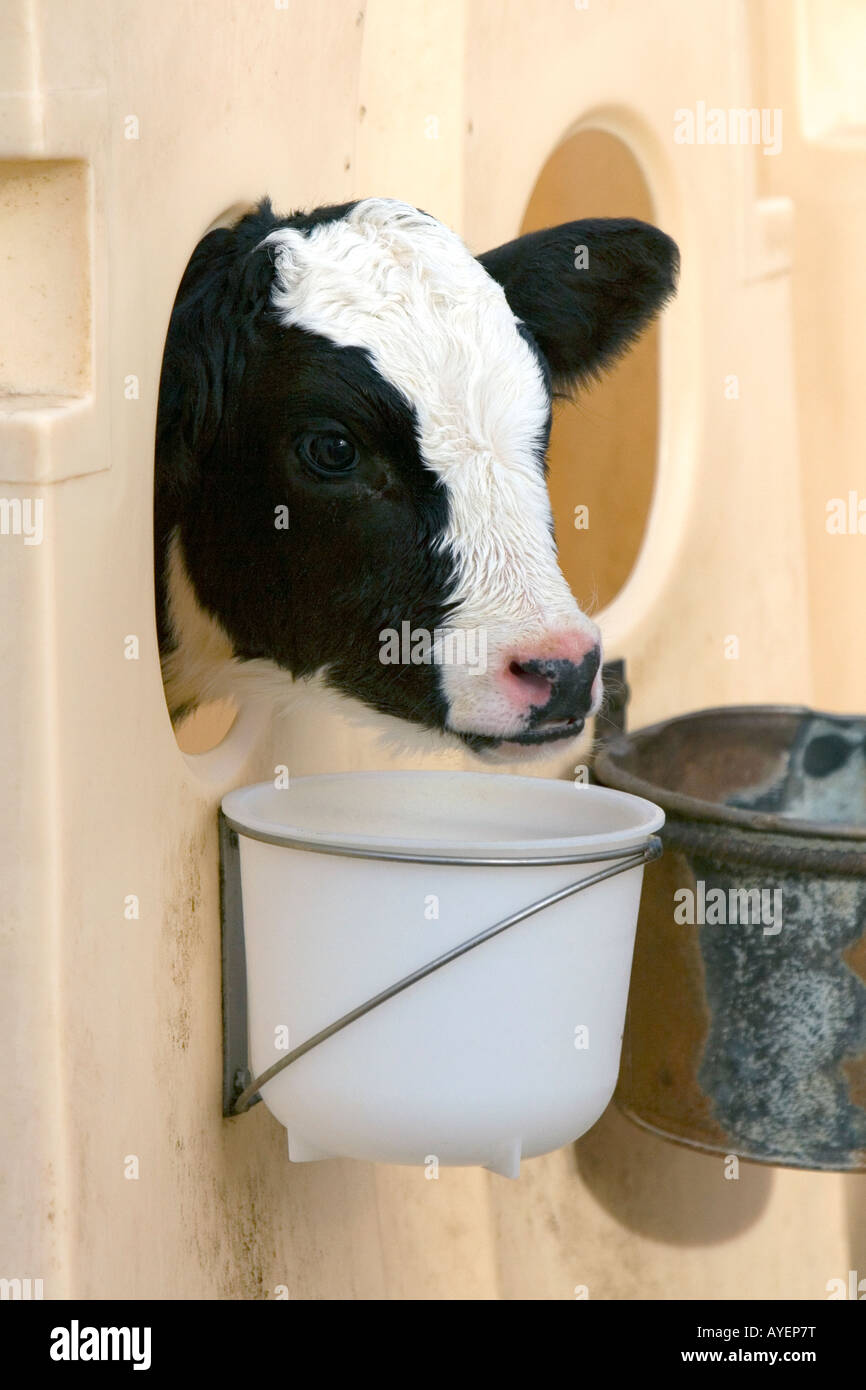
column 746, row 1028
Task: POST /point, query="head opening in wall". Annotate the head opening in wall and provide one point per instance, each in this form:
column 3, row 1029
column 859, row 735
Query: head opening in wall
column 350, row 469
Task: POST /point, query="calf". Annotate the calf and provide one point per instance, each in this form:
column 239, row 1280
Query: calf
column 350, row 469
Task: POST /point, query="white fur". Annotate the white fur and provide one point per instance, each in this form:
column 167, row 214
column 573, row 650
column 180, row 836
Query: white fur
column 400, row 284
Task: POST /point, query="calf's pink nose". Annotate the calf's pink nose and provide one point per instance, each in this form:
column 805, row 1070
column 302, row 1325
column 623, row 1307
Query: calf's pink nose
column 554, row 688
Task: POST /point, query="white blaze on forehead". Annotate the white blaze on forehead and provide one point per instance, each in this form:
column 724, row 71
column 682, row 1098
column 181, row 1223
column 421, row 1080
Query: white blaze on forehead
column 392, row 280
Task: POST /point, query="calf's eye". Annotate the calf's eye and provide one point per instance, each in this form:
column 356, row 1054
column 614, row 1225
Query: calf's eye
column 327, row 453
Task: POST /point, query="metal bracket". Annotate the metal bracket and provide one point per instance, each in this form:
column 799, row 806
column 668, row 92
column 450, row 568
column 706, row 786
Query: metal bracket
column 236, row 1059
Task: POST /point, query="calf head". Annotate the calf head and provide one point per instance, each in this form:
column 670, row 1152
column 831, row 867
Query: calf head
column 350, row 475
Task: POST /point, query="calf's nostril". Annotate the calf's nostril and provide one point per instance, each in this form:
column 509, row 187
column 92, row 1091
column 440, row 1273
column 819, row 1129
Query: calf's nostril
column 535, row 683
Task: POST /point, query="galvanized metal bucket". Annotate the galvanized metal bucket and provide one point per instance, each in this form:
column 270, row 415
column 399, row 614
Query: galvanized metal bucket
column 746, row 1027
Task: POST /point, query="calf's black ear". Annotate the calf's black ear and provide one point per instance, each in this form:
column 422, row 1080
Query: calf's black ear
column 586, row 289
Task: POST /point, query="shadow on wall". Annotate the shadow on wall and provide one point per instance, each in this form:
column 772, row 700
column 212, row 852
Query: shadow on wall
column 667, row 1192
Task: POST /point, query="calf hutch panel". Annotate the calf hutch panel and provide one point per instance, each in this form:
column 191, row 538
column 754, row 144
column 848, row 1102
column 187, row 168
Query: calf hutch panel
column 127, row 129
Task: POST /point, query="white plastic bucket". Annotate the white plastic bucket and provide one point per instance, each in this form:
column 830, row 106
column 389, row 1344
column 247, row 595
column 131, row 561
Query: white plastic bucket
column 509, row 1051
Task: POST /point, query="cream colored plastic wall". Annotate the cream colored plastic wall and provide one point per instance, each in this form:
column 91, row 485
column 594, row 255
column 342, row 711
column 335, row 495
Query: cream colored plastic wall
column 125, row 129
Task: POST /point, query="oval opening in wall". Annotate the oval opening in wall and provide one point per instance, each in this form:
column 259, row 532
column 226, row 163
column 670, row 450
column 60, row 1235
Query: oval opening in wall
column 604, row 445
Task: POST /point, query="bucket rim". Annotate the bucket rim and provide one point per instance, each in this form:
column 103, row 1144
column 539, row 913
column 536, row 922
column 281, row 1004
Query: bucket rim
column 561, row 849
column 612, row 774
